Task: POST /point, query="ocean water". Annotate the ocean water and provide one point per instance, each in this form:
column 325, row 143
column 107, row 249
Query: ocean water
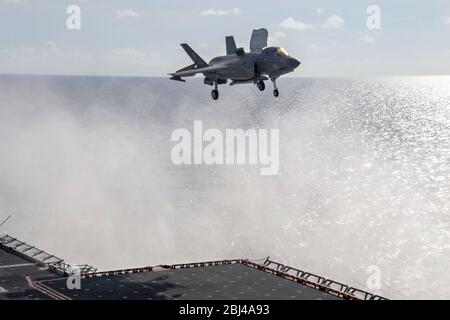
column 85, row 171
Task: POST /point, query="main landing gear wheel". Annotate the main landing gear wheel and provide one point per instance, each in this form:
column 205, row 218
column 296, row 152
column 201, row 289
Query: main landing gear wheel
column 215, row 94
column 276, row 93
column 261, row 86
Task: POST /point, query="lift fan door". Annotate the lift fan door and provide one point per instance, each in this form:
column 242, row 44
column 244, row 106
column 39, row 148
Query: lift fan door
column 258, row 40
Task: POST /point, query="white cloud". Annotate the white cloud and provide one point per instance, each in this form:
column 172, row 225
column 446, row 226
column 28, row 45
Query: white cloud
column 46, row 58
column 214, row 12
column 446, row 20
column 333, row 22
column 274, row 37
column 126, row 13
column 50, row 58
column 51, row 48
column 291, row 23
column 367, row 38
column 319, row 10
column 126, row 54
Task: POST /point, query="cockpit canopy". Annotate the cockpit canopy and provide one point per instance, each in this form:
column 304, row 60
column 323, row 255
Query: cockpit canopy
column 281, row 52
column 276, row 51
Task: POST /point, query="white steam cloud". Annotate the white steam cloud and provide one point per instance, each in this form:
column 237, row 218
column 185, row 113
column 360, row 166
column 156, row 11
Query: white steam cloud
column 87, row 175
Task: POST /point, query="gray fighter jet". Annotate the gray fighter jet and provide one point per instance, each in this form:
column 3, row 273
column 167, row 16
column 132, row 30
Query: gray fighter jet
column 260, row 64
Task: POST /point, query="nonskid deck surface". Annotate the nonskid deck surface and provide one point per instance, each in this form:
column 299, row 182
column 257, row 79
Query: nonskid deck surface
column 13, row 277
column 228, row 282
column 24, row 277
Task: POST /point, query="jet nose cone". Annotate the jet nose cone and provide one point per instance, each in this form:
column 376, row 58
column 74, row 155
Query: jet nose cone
column 293, row 63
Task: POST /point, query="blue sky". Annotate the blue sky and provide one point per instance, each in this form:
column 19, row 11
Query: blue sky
column 141, row 37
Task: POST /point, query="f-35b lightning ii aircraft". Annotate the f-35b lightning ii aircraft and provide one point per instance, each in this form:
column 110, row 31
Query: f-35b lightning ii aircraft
column 260, row 64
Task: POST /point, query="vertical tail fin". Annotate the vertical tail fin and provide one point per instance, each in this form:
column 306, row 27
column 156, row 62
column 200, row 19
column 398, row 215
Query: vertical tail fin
column 230, row 44
column 198, row 61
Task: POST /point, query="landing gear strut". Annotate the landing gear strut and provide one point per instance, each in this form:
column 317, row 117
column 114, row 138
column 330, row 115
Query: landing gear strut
column 276, row 93
column 261, row 86
column 215, row 92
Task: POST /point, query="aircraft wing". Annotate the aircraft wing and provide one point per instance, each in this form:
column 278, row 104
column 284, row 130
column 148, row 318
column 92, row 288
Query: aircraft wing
column 258, row 40
column 194, row 71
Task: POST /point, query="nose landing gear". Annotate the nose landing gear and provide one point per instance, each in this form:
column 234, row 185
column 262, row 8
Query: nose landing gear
column 215, row 92
column 276, row 93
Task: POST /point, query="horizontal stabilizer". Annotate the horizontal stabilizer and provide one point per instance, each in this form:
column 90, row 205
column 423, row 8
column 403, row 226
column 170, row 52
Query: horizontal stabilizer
column 177, row 78
column 192, row 72
column 191, row 67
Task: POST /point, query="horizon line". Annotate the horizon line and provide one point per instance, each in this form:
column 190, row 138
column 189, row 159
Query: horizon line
column 198, row 77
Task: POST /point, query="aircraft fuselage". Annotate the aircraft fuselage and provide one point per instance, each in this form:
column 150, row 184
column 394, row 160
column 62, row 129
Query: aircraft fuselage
column 252, row 66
